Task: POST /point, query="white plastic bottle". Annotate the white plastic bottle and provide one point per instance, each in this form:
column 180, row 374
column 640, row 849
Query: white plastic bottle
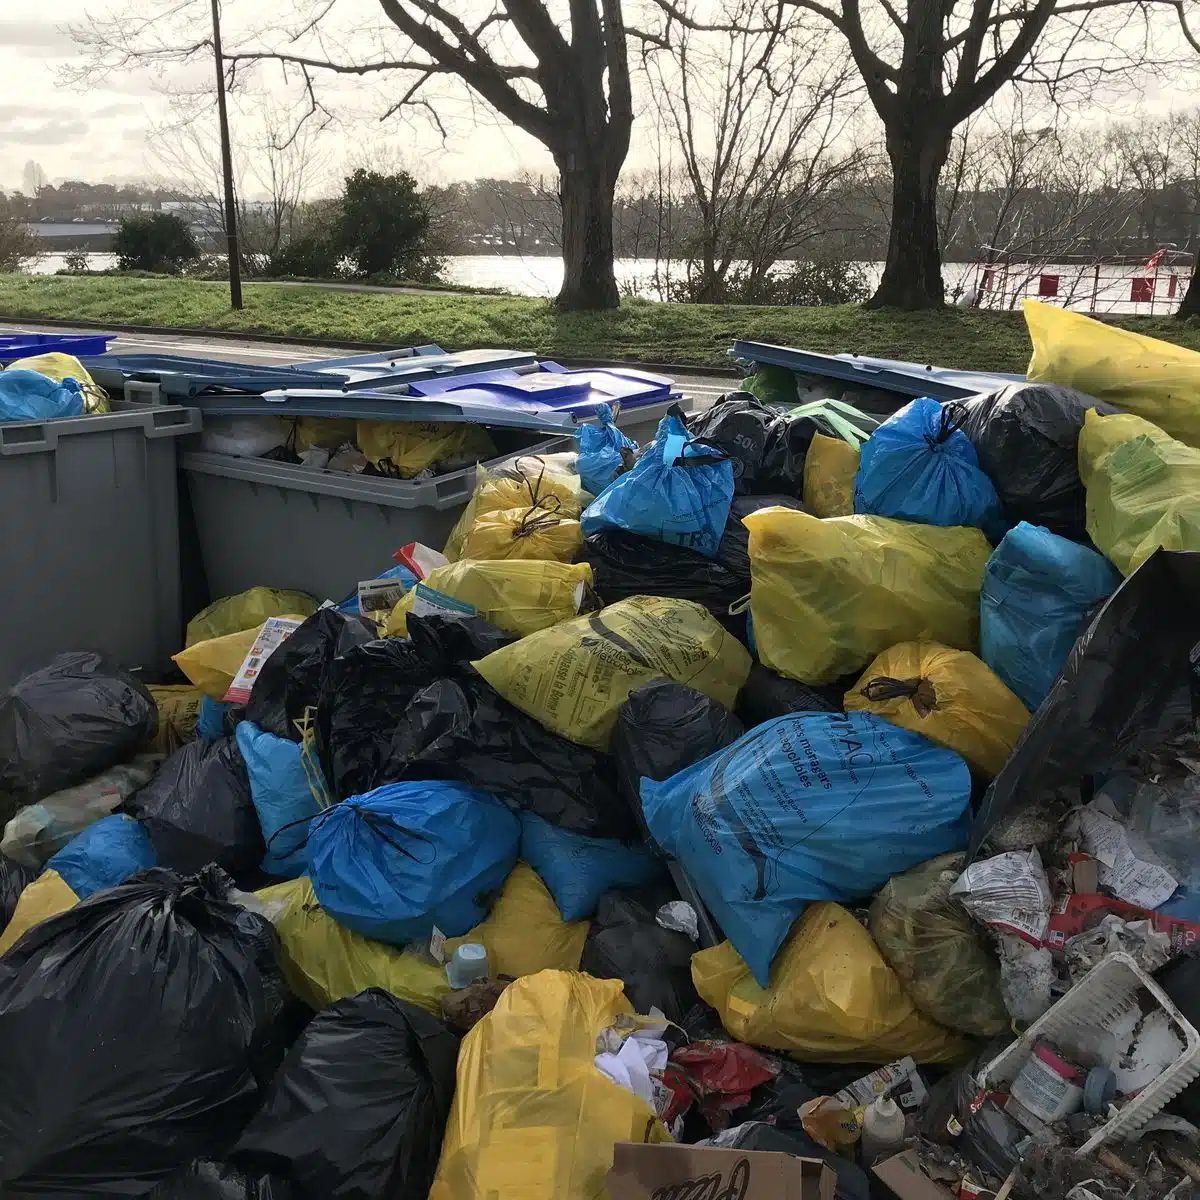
column 883, row 1130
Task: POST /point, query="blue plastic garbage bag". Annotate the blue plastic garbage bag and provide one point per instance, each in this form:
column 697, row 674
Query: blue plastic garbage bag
column 282, row 796
column 679, row 491
column 600, row 449
column 210, row 720
column 578, row 870
column 400, row 572
column 397, row 861
column 104, row 855
column 31, row 396
column 808, row 806
column 917, row 466
column 1037, row 592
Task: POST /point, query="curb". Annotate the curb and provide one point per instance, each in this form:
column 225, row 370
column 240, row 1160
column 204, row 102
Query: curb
column 275, row 339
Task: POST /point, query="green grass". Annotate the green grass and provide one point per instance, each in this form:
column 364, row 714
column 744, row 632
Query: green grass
column 667, row 333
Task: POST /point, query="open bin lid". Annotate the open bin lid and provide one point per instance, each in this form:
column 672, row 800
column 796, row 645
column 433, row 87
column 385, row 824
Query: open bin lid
column 475, row 406
column 553, row 386
column 18, row 343
column 385, row 369
column 885, row 374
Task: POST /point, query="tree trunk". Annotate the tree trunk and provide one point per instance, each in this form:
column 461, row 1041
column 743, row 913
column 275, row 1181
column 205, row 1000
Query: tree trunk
column 912, row 274
column 1189, row 306
column 586, row 193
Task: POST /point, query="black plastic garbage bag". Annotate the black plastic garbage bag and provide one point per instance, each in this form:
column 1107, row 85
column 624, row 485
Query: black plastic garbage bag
column 14, row 879
column 133, row 1033
column 664, row 727
column 1027, row 437
column 207, row 1180
column 1180, row 979
column 766, row 694
column 767, row 448
column 1129, row 684
column 67, row 722
column 367, row 690
column 358, row 1109
column 289, row 682
column 852, row 1181
column 462, row 729
column 198, row 809
column 654, row 964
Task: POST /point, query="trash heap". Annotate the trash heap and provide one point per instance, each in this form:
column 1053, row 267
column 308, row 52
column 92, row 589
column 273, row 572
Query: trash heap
column 794, row 806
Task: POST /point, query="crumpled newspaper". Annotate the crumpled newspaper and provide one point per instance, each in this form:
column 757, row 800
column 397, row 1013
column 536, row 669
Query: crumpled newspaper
column 1149, row 948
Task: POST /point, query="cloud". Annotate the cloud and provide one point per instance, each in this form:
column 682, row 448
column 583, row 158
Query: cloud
column 48, row 134
column 41, row 38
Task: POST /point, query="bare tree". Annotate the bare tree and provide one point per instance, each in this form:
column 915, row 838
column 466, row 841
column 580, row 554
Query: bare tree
column 757, row 112
column 928, row 65
column 558, row 71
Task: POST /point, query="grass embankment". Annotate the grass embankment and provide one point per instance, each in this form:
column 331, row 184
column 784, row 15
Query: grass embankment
column 668, row 333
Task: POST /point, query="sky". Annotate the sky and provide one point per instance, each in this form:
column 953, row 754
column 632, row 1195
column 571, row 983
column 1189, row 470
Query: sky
column 112, row 130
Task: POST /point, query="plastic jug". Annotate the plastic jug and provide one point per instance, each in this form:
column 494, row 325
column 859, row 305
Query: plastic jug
column 883, row 1130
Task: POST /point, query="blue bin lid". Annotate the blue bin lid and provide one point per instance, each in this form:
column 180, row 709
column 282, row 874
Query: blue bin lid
column 392, row 368
column 15, row 343
column 886, row 374
column 476, row 406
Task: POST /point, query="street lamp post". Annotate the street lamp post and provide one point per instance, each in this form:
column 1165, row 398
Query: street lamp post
column 231, row 236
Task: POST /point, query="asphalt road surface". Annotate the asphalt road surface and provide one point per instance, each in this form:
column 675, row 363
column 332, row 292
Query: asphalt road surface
column 701, row 389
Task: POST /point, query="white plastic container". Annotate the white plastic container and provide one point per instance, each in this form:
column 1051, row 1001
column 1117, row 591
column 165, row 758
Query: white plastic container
column 883, row 1130
column 1098, row 1002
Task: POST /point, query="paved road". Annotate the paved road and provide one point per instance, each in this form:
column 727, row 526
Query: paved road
column 702, row 389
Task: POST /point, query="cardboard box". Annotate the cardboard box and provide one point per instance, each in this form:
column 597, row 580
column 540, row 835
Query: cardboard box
column 668, row 1172
column 903, row 1178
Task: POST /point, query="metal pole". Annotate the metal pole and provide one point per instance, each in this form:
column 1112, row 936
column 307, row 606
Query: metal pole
column 231, row 237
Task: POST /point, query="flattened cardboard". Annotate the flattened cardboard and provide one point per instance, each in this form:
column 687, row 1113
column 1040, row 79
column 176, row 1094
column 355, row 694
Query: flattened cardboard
column 666, row 1172
column 903, row 1178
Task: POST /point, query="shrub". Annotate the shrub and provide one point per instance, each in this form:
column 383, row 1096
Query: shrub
column 18, row 246
column 382, row 224
column 155, row 242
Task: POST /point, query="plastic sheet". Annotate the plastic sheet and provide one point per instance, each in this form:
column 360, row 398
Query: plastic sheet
column 1143, row 489
column 918, row 466
column 337, row 1125
column 832, row 998
column 677, row 492
column 574, row 677
column 407, row 857
column 60, row 367
column 1157, row 380
column 806, row 807
column 32, row 396
column 827, row 596
column 517, row 596
column 110, row 1103
column 1037, row 593
column 532, row 1118
column 407, row 449
column 949, row 696
column 199, row 809
column 604, row 451
column 324, row 962
column 67, row 722
column 524, row 933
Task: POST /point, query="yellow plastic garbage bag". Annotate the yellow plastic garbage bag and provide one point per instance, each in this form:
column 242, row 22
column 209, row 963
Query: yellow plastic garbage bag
column 1143, row 489
column 212, row 665
column 524, row 933
column 406, row 448
column 324, row 962
column 827, row 596
column 575, row 676
column 533, row 1118
column 247, row 610
column 46, row 897
column 832, row 997
column 59, row 366
column 950, row 696
column 523, row 533
column 518, row 596
column 946, row 967
column 1156, row 380
column 829, row 470
column 324, row 433
column 530, row 481
column 178, row 707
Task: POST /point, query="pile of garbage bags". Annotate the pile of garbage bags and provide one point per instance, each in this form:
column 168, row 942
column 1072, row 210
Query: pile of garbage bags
column 790, row 783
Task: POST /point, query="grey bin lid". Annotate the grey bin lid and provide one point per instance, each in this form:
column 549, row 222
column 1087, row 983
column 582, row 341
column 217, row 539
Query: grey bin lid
column 885, row 374
column 387, row 406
